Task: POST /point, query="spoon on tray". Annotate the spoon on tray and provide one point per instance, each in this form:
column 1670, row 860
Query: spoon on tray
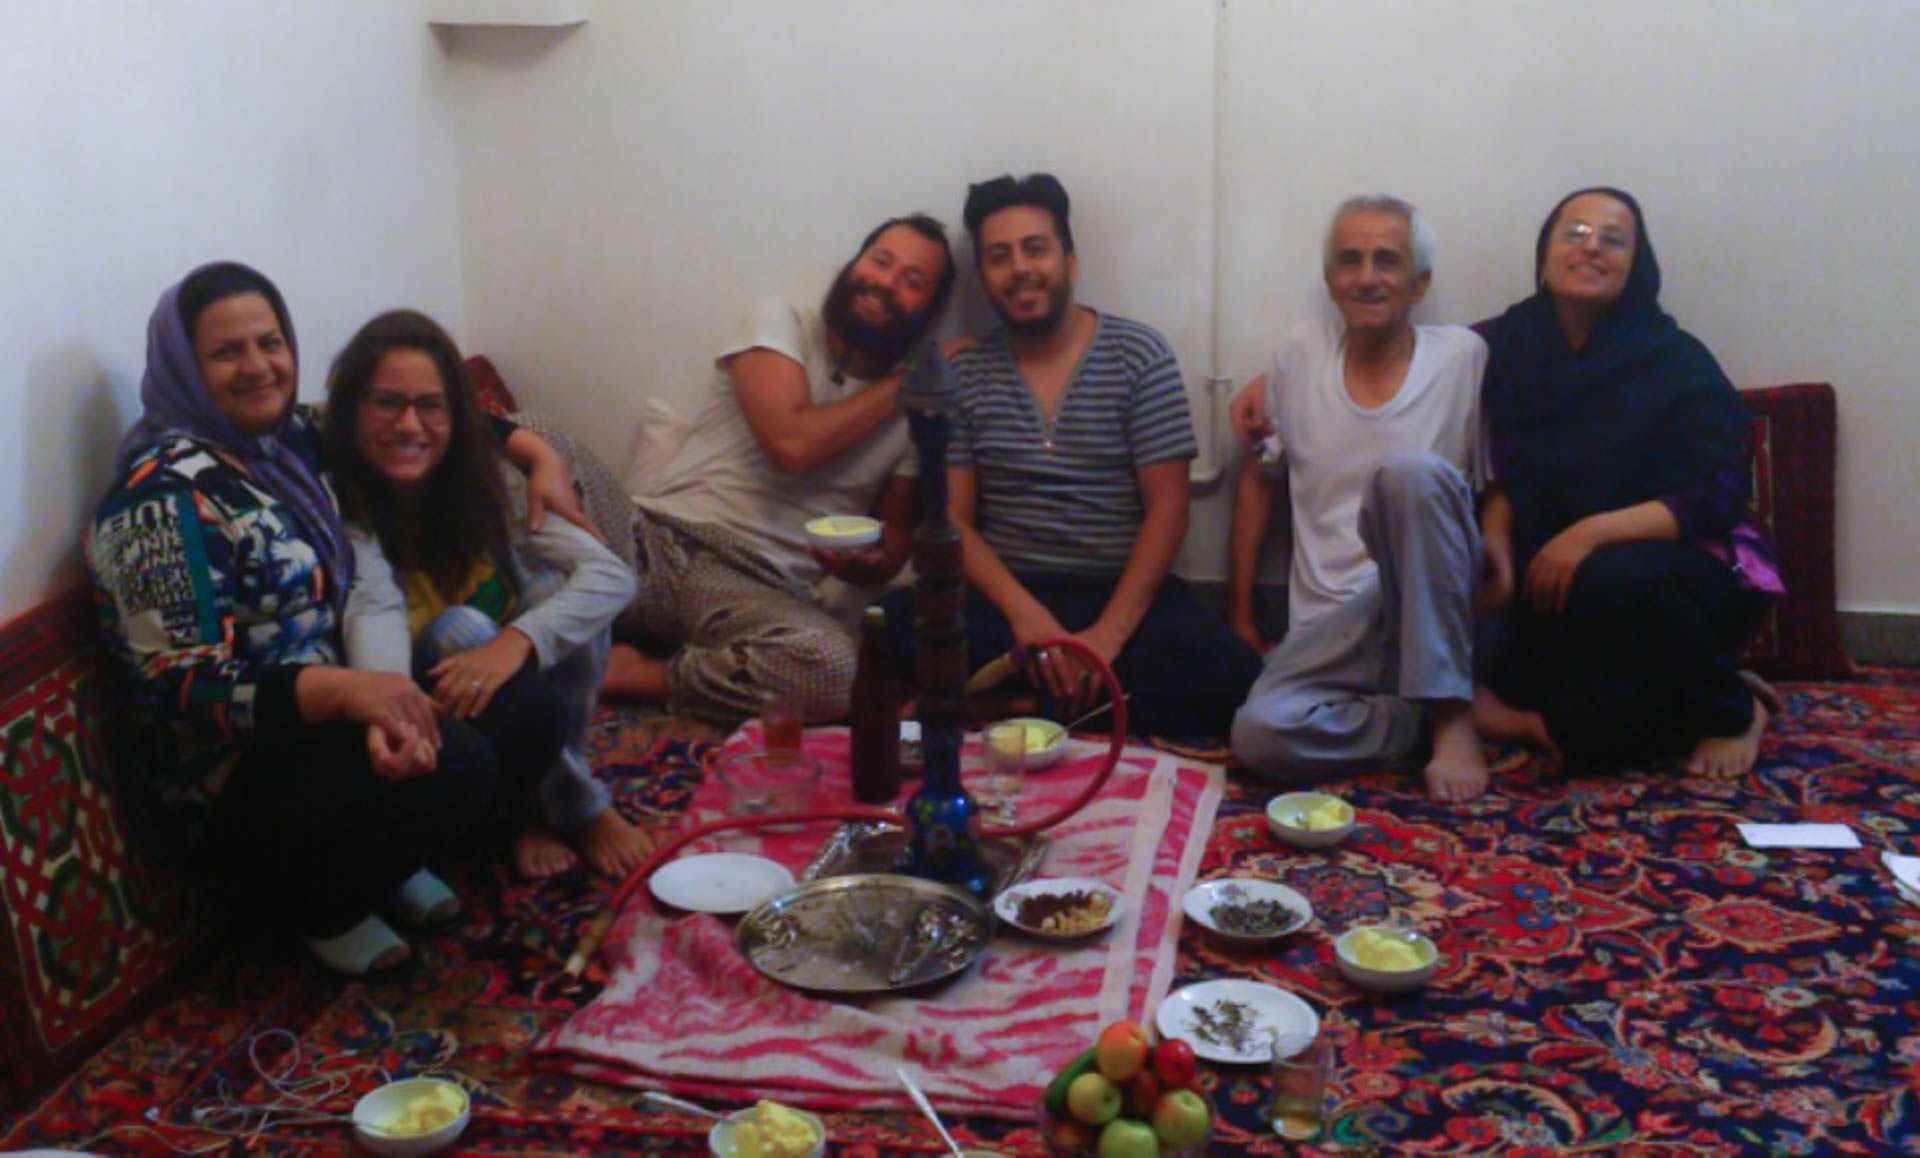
column 926, row 1107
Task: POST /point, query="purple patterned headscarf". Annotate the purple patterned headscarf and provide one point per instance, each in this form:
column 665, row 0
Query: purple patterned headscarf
column 175, row 401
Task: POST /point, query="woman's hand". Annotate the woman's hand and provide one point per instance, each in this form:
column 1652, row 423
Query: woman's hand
column 403, row 731
column 464, row 684
column 399, row 754
column 1550, row 575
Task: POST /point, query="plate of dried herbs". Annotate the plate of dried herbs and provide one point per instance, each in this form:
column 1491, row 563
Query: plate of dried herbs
column 1246, row 910
column 1237, row 1021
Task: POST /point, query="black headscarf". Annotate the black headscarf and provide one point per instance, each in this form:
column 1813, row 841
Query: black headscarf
column 1641, row 411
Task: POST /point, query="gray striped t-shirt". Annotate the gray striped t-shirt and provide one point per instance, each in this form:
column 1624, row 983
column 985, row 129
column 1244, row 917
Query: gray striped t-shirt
column 1063, row 497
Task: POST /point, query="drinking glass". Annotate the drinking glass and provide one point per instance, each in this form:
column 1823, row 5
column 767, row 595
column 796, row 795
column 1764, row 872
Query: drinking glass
column 1003, row 759
column 1297, row 1104
column 781, row 727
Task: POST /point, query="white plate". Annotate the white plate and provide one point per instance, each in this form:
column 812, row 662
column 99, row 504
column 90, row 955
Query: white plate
column 1203, row 897
column 718, row 882
column 1270, row 1008
column 1007, row 904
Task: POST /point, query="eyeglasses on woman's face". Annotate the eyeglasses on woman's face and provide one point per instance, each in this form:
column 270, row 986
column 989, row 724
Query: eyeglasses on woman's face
column 391, row 405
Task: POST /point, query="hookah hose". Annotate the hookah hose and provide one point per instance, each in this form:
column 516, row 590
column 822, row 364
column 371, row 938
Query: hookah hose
column 596, row 930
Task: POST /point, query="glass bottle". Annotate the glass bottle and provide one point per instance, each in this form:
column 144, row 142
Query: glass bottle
column 874, row 714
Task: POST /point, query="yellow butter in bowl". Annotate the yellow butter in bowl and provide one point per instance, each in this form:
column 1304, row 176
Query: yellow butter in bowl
column 1377, row 950
column 842, row 532
column 769, row 1130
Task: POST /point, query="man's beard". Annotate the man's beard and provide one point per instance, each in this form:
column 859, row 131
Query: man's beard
column 1059, row 300
column 885, row 342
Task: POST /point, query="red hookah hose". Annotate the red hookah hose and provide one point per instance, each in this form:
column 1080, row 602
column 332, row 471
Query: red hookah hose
column 596, row 930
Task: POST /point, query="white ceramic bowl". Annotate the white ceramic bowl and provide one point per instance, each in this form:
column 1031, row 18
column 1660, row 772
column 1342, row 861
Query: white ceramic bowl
column 1204, row 897
column 389, row 1101
column 1007, row 904
column 1285, row 815
column 720, row 1138
column 1046, row 741
column 1385, row 980
column 842, row 532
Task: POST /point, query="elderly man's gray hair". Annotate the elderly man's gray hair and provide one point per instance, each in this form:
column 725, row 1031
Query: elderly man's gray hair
column 1419, row 233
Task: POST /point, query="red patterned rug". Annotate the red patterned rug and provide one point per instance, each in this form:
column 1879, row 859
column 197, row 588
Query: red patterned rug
column 1622, row 976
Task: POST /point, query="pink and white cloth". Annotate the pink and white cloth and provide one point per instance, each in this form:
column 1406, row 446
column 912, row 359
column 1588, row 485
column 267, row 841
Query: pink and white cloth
column 684, row 1011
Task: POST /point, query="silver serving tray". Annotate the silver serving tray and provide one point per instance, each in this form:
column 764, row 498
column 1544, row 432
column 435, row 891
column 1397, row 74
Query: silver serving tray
column 866, row 933
column 872, row 846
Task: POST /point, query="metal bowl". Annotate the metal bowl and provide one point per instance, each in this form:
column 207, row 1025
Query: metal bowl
column 868, row 933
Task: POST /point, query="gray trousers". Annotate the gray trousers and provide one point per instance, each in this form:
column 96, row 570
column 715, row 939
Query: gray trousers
column 569, row 794
column 1345, row 691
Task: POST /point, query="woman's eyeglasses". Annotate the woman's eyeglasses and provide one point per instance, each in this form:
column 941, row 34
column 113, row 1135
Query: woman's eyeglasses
column 389, row 405
column 1578, row 233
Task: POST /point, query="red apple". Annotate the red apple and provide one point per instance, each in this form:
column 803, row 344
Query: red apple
column 1120, row 1051
column 1140, row 1093
column 1072, row 1135
column 1093, row 1099
column 1126, row 1138
column 1180, row 1119
column 1174, row 1064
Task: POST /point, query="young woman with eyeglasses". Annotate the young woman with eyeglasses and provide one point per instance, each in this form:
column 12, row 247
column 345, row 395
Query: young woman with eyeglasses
column 505, row 628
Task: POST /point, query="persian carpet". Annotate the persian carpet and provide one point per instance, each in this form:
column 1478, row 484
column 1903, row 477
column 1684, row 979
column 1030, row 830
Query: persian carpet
column 1622, row 975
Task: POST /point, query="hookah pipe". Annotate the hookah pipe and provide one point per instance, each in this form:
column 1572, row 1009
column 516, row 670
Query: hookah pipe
column 596, row 930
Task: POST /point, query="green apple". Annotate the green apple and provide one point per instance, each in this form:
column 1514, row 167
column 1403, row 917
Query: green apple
column 1180, row 1119
column 1128, row 1138
column 1093, row 1099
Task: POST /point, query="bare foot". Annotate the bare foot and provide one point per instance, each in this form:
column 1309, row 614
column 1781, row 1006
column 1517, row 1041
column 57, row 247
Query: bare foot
column 1458, row 770
column 1729, row 757
column 612, row 845
column 1495, row 719
column 632, row 674
column 539, row 852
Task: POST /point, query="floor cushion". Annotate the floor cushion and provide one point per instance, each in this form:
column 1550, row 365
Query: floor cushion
column 92, row 917
column 1793, row 497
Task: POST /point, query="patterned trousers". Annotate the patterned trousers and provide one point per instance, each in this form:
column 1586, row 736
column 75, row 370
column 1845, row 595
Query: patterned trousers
column 746, row 634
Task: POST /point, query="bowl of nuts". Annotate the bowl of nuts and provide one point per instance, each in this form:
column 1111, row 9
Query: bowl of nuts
column 1060, row 908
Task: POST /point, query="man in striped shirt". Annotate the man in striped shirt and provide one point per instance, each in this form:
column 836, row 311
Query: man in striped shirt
column 1068, row 481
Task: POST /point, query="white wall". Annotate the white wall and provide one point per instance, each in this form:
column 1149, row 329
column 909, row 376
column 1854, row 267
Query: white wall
column 143, row 138
column 633, row 183
column 1770, row 143
column 625, row 188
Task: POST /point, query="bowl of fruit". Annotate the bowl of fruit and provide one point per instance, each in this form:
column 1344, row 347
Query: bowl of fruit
column 1385, row 959
column 1126, row 1098
column 1310, row 819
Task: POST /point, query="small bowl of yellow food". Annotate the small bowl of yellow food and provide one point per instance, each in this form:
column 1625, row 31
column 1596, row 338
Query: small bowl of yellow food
column 1046, row 741
column 411, row 1118
column 1384, row 959
column 768, row 1130
column 1310, row 819
column 842, row 532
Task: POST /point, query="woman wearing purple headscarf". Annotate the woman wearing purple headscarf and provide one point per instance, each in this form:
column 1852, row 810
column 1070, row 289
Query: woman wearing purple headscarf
column 221, row 569
column 1624, row 562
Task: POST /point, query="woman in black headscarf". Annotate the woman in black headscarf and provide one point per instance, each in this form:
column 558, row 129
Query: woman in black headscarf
column 1626, row 570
